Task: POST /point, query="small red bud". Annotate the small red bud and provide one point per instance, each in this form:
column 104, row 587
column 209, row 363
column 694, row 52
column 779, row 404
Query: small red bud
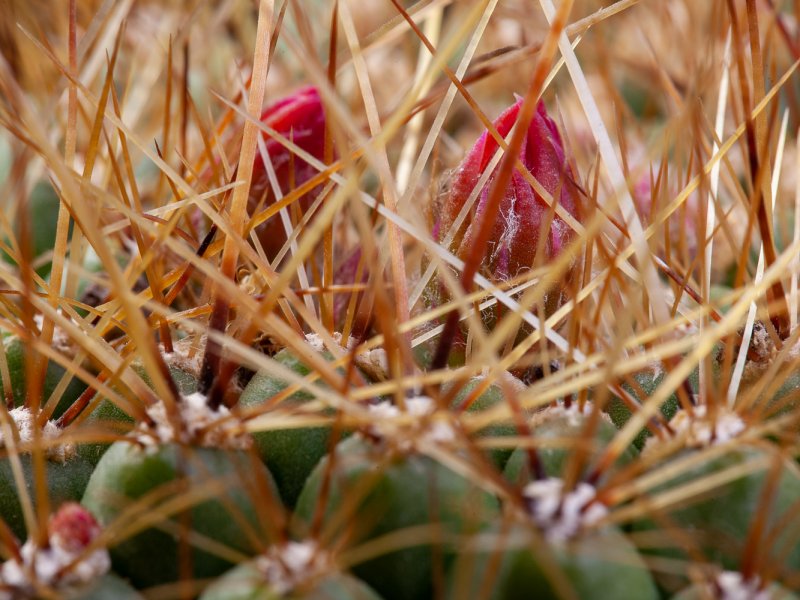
column 300, row 118
column 523, row 213
column 73, row 527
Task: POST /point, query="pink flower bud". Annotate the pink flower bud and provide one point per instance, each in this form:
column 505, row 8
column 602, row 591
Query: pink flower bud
column 523, row 216
column 301, row 119
column 73, row 527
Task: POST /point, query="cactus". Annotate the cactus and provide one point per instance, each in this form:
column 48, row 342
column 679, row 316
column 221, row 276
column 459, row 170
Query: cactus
column 397, row 300
column 71, row 565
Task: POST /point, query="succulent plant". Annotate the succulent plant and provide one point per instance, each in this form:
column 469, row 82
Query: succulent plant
column 600, row 565
column 66, row 473
column 181, row 452
column 409, row 490
column 291, row 570
column 70, row 565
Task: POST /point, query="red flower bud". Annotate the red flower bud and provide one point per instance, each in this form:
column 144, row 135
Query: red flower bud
column 523, row 215
column 73, row 527
column 301, row 119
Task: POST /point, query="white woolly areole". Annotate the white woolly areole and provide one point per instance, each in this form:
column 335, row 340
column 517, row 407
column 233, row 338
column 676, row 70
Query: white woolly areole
column 315, row 340
column 24, row 422
column 46, row 567
column 198, row 425
column 60, row 340
column 735, row 587
column 286, row 566
column 182, row 356
column 373, row 362
column 412, row 427
column 574, row 414
column 701, row 430
column 561, row 516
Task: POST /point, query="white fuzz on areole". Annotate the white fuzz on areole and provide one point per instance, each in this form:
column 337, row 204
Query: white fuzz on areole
column 315, row 340
column 198, row 425
column 562, row 516
column 373, row 362
column 286, row 566
column 761, row 353
column 406, row 430
column 702, row 430
column 24, row 422
column 733, row 586
column 187, row 355
column 760, row 341
column 574, row 414
column 47, row 567
column 60, row 341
